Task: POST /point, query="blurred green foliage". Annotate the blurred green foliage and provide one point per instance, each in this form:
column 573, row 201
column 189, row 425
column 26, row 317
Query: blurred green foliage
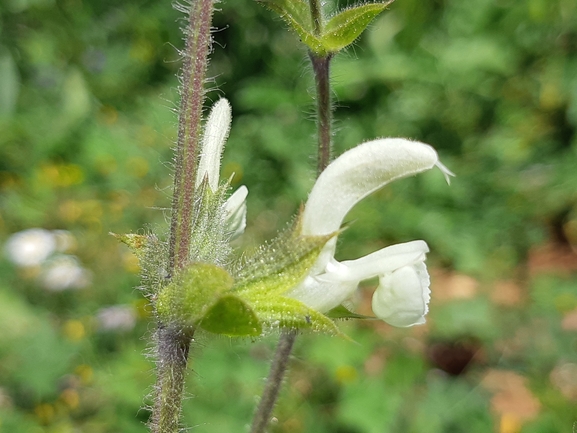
column 87, row 93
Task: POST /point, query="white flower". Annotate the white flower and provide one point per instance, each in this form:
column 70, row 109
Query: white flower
column 403, row 293
column 30, row 247
column 116, row 318
column 63, row 272
column 215, row 135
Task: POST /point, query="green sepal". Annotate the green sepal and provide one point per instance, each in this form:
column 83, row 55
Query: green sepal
column 346, row 26
column 231, row 316
column 209, row 242
column 296, row 13
column 136, row 243
column 281, row 312
column 279, row 266
column 191, row 293
column 342, row 312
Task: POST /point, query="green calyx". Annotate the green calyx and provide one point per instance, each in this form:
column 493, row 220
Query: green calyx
column 251, row 299
column 192, row 292
column 336, row 32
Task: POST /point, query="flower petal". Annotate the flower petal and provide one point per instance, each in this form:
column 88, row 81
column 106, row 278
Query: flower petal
column 322, row 295
column 446, row 172
column 357, row 173
column 403, row 295
column 215, row 134
column 235, row 212
column 380, row 262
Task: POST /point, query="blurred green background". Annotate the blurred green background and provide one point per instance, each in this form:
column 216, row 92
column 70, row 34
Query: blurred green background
column 87, row 94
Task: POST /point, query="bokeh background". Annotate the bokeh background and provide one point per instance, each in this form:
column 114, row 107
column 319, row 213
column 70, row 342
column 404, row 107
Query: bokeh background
column 87, row 99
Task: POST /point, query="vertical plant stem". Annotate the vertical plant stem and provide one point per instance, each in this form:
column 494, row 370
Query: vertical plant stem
column 197, row 47
column 288, row 337
column 316, row 16
column 173, row 348
column 321, row 68
column 273, row 381
column 173, row 345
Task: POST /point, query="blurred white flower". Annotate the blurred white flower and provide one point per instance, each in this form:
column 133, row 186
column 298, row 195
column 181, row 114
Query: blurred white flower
column 116, row 318
column 403, row 293
column 30, row 247
column 63, row 272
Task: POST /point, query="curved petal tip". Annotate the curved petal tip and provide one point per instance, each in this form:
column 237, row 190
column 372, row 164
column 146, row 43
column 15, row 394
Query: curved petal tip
column 446, row 172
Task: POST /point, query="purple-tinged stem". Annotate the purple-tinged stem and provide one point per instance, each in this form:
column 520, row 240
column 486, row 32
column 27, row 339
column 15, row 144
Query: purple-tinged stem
column 321, row 68
column 193, row 75
column 173, row 344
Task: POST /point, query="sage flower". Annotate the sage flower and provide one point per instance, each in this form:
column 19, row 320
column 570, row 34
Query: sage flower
column 402, row 297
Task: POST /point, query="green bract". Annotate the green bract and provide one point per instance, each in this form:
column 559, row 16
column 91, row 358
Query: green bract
column 338, row 32
column 230, row 315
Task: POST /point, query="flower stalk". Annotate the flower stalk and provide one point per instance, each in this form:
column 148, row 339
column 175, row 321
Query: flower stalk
column 197, row 48
column 173, row 348
column 173, row 344
column 274, row 381
column 321, row 68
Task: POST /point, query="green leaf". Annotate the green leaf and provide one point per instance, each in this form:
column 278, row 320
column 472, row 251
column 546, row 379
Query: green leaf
column 296, row 13
column 191, row 293
column 231, row 316
column 347, row 25
column 281, row 312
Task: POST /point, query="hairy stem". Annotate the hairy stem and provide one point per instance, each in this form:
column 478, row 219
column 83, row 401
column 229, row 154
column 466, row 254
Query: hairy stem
column 173, row 344
column 172, row 357
column 193, row 75
column 321, row 68
column 273, row 381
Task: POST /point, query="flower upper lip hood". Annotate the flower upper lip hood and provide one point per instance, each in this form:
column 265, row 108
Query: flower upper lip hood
column 403, row 293
column 359, row 172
